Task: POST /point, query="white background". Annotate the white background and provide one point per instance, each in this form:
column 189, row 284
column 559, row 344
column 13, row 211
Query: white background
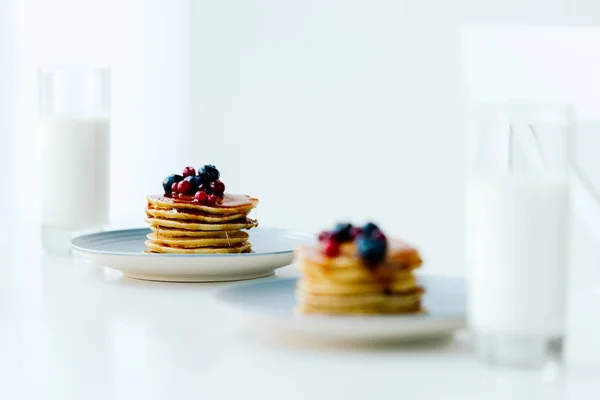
column 336, row 110
column 325, row 110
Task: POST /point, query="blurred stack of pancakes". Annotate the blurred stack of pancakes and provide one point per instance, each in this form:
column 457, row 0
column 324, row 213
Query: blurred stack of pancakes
column 182, row 225
column 346, row 283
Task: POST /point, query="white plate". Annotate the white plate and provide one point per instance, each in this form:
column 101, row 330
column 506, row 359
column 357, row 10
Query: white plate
column 269, row 306
column 123, row 250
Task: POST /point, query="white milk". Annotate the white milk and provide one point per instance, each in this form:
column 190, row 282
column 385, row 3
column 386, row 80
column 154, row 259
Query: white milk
column 517, row 249
column 75, row 172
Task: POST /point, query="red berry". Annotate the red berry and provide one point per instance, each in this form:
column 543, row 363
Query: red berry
column 218, row 187
column 184, row 187
column 205, row 187
column 331, row 249
column 355, row 231
column 201, row 196
column 212, row 198
column 188, row 171
column 378, row 235
column 324, row 235
column 174, row 187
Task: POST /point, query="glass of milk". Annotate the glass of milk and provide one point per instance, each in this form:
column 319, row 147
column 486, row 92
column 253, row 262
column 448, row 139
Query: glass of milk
column 518, row 232
column 74, row 125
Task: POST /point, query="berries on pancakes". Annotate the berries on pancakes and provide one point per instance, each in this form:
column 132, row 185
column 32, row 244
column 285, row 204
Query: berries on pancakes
column 209, row 173
column 169, row 181
column 188, row 171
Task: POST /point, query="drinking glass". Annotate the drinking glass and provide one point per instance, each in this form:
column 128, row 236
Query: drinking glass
column 74, row 124
column 518, row 213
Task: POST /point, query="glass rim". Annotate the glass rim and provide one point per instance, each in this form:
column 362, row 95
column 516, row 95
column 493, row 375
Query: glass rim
column 79, row 68
column 523, row 104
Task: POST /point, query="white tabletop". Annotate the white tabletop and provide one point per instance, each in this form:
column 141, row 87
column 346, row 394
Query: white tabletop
column 71, row 330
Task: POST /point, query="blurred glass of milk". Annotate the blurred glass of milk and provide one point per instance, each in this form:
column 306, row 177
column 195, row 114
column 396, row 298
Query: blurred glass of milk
column 74, row 125
column 517, row 233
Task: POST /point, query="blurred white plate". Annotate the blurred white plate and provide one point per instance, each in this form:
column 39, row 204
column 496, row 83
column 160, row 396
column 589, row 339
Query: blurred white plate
column 123, row 250
column 269, row 306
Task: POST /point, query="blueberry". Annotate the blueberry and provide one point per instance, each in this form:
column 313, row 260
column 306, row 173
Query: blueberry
column 205, row 187
column 369, row 229
column 169, row 181
column 209, row 173
column 194, row 182
column 342, row 232
column 371, row 250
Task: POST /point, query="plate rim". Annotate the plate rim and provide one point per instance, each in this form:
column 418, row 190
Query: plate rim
column 131, row 231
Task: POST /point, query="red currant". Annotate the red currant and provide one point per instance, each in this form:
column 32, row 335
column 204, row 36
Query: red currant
column 188, row 171
column 331, row 249
column 205, row 187
column 184, row 187
column 355, row 231
column 174, row 187
column 212, row 198
column 218, row 187
column 201, row 196
column 378, row 235
column 324, row 235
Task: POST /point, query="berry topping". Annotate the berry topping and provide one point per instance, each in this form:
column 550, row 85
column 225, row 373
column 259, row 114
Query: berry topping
column 185, row 187
column 212, row 198
column 174, row 187
column 342, row 232
column 371, row 249
column 169, row 181
column 188, row 171
column 209, row 173
column 324, row 235
column 194, row 183
column 355, row 231
column 218, row 187
column 205, row 187
column 370, row 228
column 331, row 248
column 201, row 196
column 378, row 235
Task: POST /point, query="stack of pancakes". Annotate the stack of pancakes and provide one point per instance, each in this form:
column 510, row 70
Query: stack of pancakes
column 346, row 284
column 182, row 225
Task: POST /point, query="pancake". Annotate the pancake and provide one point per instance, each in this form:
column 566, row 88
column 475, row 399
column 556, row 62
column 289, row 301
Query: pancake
column 371, row 304
column 245, row 223
column 231, row 204
column 181, row 224
column 229, row 240
column 400, row 256
column 160, row 248
column 191, row 215
column 354, row 274
column 342, row 282
column 328, row 287
column 172, row 232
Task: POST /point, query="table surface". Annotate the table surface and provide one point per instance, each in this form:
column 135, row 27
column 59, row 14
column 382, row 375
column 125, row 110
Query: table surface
column 72, row 330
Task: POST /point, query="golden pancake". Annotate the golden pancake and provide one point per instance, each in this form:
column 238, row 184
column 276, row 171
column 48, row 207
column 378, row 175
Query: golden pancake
column 188, row 242
column 400, row 256
column 180, row 223
column 172, row 232
column 245, row 223
column 160, row 248
column 357, row 273
column 327, row 287
column 191, row 215
column 360, row 304
column 338, row 280
column 230, row 204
